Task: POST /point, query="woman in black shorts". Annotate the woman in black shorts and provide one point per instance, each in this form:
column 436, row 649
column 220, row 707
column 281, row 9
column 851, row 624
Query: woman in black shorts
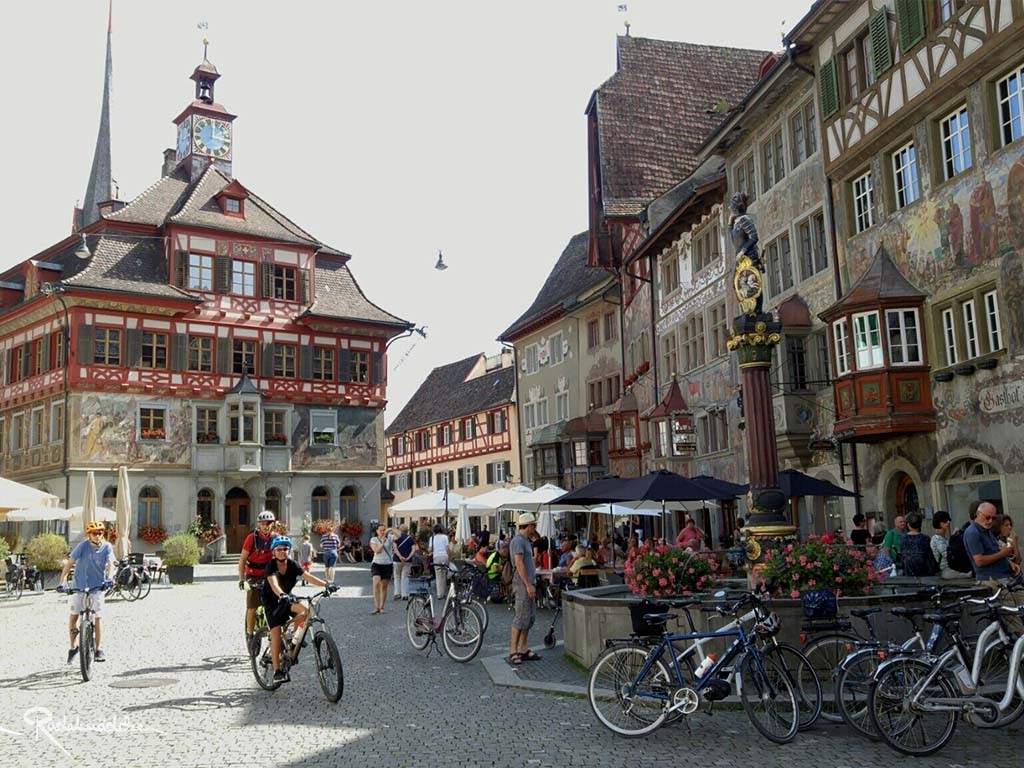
column 382, row 565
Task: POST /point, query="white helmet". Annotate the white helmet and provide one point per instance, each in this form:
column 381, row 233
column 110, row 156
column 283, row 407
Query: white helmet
column 266, row 515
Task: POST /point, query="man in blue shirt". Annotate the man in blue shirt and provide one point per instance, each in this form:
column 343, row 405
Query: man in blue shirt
column 992, row 562
column 93, row 561
column 524, row 587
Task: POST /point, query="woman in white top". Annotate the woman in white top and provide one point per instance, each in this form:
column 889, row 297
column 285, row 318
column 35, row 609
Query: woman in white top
column 439, row 552
column 940, row 544
column 382, row 565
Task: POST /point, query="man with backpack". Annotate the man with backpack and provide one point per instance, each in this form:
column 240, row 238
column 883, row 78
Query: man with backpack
column 256, row 553
column 993, row 564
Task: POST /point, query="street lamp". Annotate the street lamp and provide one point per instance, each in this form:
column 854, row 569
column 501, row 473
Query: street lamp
column 422, row 331
column 55, row 290
column 440, row 266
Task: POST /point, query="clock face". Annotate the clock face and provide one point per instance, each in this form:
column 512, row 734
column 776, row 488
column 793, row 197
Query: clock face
column 212, row 137
column 184, row 134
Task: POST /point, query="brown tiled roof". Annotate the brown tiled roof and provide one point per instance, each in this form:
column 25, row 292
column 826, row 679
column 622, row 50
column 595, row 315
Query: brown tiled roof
column 882, row 280
column 446, row 394
column 655, row 111
column 339, row 295
column 123, row 264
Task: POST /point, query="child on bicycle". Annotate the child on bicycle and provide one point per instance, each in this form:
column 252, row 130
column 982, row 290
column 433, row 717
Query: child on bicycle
column 93, row 561
column 281, row 575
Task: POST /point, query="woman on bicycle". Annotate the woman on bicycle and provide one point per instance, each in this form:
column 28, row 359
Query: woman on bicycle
column 281, row 575
column 93, row 561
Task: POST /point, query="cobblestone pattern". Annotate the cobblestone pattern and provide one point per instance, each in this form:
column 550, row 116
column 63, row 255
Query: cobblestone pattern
column 400, row 708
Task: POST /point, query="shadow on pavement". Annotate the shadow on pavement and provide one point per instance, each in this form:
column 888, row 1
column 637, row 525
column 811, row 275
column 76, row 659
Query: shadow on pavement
column 229, row 664
column 232, row 699
column 43, row 681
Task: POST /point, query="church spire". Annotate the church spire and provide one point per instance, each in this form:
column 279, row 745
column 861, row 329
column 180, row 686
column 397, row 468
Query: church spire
column 100, row 188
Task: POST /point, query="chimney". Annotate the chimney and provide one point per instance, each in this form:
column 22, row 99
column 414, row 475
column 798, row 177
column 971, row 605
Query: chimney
column 170, row 161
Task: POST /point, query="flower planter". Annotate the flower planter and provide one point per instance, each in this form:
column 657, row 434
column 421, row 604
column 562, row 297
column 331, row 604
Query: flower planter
column 180, row 574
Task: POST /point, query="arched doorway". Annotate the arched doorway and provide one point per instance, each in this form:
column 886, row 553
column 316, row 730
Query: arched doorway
column 237, row 518
column 906, row 495
column 970, row 480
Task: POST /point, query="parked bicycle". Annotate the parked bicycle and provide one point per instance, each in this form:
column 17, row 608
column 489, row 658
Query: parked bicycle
column 86, row 632
column 326, row 657
column 19, row 576
column 634, row 687
column 131, row 579
column 460, row 625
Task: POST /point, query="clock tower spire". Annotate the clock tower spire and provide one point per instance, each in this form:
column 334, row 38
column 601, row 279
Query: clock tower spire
column 205, row 128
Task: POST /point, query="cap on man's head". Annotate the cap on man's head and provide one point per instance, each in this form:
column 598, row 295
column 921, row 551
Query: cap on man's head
column 502, row 545
column 525, row 519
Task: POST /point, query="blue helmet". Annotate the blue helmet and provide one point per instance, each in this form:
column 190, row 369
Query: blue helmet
column 281, row 541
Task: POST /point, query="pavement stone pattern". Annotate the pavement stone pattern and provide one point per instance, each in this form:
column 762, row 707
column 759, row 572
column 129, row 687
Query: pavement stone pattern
column 177, row 691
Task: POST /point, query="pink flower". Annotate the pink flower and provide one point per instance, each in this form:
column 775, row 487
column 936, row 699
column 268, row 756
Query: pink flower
column 839, row 579
column 803, row 559
column 795, row 594
column 810, row 583
column 835, row 567
column 662, row 582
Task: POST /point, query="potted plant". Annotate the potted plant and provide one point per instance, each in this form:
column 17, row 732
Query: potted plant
column 278, row 439
column 110, row 531
column 280, row 528
column 204, row 530
column 46, row 552
column 662, row 571
column 181, row 554
column 354, row 530
column 323, row 526
column 207, row 437
column 819, row 563
column 157, row 433
column 152, row 534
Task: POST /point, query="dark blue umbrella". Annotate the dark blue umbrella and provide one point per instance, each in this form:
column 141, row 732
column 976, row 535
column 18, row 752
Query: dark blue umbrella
column 795, row 483
column 720, row 489
column 662, row 486
column 600, row 491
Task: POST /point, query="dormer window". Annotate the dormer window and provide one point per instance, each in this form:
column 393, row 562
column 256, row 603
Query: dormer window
column 232, row 205
column 232, row 200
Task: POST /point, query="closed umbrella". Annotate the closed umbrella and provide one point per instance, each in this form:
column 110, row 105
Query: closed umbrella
column 462, row 525
column 124, row 513
column 89, row 498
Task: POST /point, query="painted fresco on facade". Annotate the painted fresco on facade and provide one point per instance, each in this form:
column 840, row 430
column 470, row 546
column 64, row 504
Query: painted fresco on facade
column 108, row 433
column 637, row 324
column 360, row 434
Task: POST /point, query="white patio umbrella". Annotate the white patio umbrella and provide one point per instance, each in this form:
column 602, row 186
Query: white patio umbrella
column 101, row 513
column 17, row 496
column 35, row 514
column 89, row 498
column 462, row 525
column 494, row 499
column 123, row 507
column 537, row 499
column 546, row 524
column 433, row 503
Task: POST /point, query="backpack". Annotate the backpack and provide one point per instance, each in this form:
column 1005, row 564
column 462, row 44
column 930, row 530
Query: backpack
column 956, row 553
column 918, row 559
column 507, row 573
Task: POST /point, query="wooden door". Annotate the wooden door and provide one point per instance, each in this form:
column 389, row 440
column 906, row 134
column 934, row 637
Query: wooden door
column 237, row 519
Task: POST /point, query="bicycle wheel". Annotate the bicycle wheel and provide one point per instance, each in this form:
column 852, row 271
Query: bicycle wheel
column 131, row 588
column 419, row 621
column 825, row 654
column 853, row 690
column 995, row 670
column 328, row 666
column 769, row 699
column 902, row 723
column 145, row 583
column 86, row 651
column 19, row 586
column 801, row 676
column 481, row 613
column 624, row 704
column 462, row 635
column 260, row 660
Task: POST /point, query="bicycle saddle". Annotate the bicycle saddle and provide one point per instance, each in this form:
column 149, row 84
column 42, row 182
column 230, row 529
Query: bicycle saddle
column 906, row 611
column 861, row 613
column 658, row 618
column 938, row 617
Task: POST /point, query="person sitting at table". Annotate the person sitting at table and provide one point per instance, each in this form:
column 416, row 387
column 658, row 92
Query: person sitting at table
column 605, row 553
column 566, row 557
column 482, row 553
column 634, row 547
column 579, row 562
column 691, row 537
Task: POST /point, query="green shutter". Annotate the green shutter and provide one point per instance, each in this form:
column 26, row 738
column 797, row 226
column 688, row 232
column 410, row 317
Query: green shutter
column 181, row 269
column 45, row 341
column 305, row 362
column 909, row 23
column 179, row 352
column 267, row 275
column 223, row 274
column 304, row 287
column 26, row 359
column 86, row 351
column 828, row 87
column 881, row 46
column 344, row 365
column 490, row 474
column 267, row 354
column 225, row 350
column 378, row 368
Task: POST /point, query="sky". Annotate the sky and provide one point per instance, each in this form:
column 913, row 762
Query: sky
column 389, row 130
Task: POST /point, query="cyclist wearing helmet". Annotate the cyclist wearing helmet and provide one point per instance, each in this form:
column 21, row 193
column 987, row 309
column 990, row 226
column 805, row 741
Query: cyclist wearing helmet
column 282, row 573
column 256, row 553
column 93, row 561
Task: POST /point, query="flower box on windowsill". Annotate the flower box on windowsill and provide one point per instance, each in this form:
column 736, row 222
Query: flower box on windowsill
column 275, row 441
column 323, row 439
column 988, row 364
column 964, row 369
column 153, row 434
column 944, row 376
column 207, row 439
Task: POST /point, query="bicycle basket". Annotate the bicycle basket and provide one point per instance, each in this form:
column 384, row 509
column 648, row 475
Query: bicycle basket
column 819, row 604
column 640, row 625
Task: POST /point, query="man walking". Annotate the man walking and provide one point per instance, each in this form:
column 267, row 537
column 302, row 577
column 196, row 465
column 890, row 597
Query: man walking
column 403, row 562
column 329, row 544
column 992, row 563
column 524, row 587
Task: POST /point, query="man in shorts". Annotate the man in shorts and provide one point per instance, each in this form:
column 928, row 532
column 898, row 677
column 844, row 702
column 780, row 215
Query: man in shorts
column 329, row 545
column 93, row 561
column 524, row 587
column 256, row 554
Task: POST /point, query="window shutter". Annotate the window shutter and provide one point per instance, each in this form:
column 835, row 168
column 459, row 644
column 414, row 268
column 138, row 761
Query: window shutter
column 267, row 280
column 45, row 341
column 508, row 471
column 490, row 474
column 409, row 484
column 909, row 23
column 305, row 296
column 344, row 365
column 181, row 269
column 430, row 474
column 305, row 362
column 440, row 484
column 224, row 274
column 267, row 353
column 391, row 482
column 133, row 348
column 85, row 345
column 378, row 368
column 26, row 359
column 462, row 477
column 881, row 46
column 179, row 351
column 828, row 88
column 224, row 350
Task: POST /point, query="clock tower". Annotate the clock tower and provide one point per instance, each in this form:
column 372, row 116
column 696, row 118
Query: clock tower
column 205, row 128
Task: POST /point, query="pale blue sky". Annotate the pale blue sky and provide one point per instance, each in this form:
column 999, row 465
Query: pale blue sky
column 387, row 129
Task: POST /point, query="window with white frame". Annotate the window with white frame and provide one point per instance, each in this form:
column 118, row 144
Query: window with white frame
column 796, row 362
column 813, row 249
column 532, row 359
column 243, row 277
column 970, row 329
column 780, row 266
column 200, row 272
column 35, row 426
column 423, row 478
column 495, row 422
column 555, row 348
column 718, row 321
column 819, row 360
column 469, row 477
column 904, row 337
column 712, row 432
column 468, row 428
column 669, row 274
column 773, row 161
column 611, row 331
column 904, row 170
column 153, row 423
column 863, row 202
column 803, row 133
column 705, row 248
column 498, row 471
column 323, row 426
column 669, row 354
column 956, row 143
column 561, row 407
column 992, row 324
column 579, row 453
column 1010, row 97
column 842, row 342
column 746, row 177
column 949, row 336
column 867, row 340
column 595, row 394
column 17, row 432
column 401, row 481
column 56, row 423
